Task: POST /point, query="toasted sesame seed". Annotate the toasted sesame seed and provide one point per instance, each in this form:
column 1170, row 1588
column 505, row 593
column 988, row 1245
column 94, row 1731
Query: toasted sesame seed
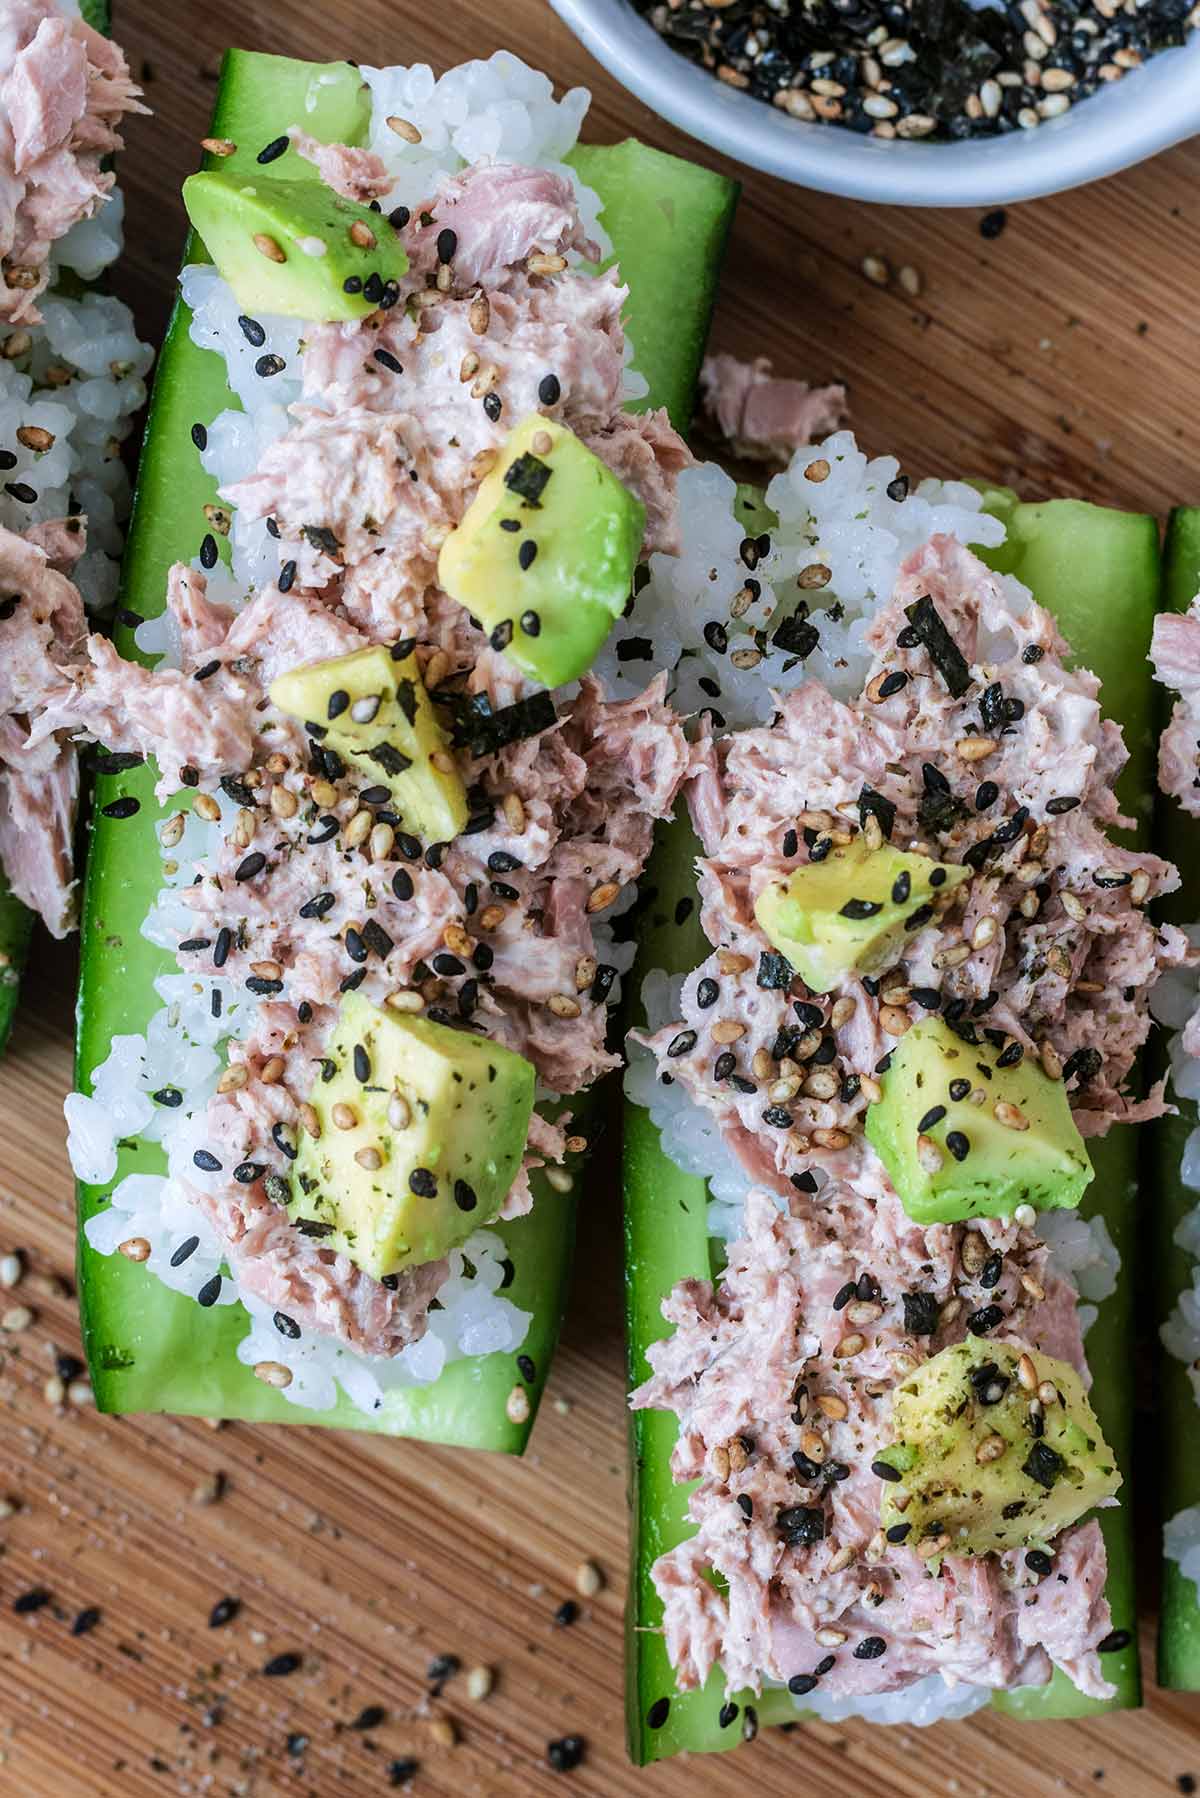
column 404, row 128
column 517, row 1407
column 19, row 1317
column 273, row 1373
column 558, row 1179
column 269, row 247
column 479, row 1683
column 877, row 270
column 589, row 1580
column 1011, row 1116
column 817, row 470
column 135, row 1248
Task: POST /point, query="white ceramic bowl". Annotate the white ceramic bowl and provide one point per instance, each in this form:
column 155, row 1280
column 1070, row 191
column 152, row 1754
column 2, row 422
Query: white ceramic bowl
column 1147, row 111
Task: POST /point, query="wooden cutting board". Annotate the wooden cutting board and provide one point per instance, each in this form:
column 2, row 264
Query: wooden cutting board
column 1057, row 356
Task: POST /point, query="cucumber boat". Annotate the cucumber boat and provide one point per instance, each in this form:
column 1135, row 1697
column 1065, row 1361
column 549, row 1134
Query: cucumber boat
column 1098, row 572
column 151, row 1348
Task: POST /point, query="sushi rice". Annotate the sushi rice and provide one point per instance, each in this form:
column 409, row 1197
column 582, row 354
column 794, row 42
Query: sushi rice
column 499, row 108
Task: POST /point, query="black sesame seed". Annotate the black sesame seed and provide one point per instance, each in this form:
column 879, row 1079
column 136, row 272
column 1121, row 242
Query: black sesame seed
column 199, row 437
column 447, row 244
column 986, row 795
column 985, row 1319
column 527, row 553
column 287, row 576
column 206, row 1161
column 85, row 1621
column 280, row 1665
column 370, row 1717
column 125, row 807
column 993, row 223
column 1114, row 1642
column 185, row 1251
column 250, row 865
column 362, row 1064
column 658, row 1713
column 423, row 1181
column 958, row 1144
column 901, row 887
column 493, row 406
column 565, row 1754
column 252, row 331
column 933, row 1116
column 388, row 361
column 274, row 150
column 727, row 1714
column 34, row 1600
column 207, row 671
column 892, row 683
column 210, row 1292
column 223, row 1612
column 287, row 1326
column 549, row 390
column 801, row 1684
column 870, row 1648
column 269, row 365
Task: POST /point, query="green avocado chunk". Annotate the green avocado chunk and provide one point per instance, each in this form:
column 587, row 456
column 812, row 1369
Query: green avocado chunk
column 848, row 913
column 422, row 1132
column 545, row 554
column 969, row 1130
column 995, row 1447
column 294, row 246
column 372, row 708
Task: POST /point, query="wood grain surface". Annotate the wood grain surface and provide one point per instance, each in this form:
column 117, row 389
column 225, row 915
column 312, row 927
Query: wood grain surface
column 1059, row 356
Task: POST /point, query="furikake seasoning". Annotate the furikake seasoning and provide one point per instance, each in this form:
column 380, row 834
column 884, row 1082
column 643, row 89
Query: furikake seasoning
column 922, row 68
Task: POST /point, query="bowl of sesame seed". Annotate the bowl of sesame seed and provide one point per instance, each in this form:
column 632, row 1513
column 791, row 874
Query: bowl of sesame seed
column 911, row 102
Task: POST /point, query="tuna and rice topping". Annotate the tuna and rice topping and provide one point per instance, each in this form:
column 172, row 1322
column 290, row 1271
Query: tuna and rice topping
column 970, row 743
column 64, row 91
column 71, row 379
column 310, row 885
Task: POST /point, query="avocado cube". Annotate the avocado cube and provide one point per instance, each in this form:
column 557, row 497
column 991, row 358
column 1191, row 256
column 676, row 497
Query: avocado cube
column 849, row 913
column 971, row 1130
column 422, row 1133
column 545, row 553
column 973, row 1470
column 294, row 246
column 372, row 708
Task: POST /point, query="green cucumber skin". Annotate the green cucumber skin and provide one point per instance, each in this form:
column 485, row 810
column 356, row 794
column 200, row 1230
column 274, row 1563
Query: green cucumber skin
column 690, row 210
column 1177, row 836
column 151, row 1349
column 16, row 920
column 1106, row 561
